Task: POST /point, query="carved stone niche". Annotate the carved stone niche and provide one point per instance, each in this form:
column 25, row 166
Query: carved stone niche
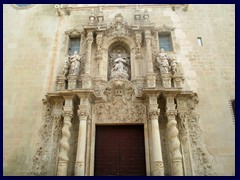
column 119, row 62
column 120, row 105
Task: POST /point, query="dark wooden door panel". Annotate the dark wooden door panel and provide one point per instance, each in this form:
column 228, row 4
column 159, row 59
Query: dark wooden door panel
column 107, row 151
column 119, row 151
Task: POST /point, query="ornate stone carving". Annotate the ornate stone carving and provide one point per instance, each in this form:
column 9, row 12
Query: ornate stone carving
column 154, row 113
column 164, row 28
column 64, row 144
column 151, row 80
column 201, row 157
column 120, row 107
column 44, row 157
column 74, row 33
column 146, row 17
column 119, row 71
column 171, row 113
column 158, row 169
column 78, row 168
column 40, row 161
column 162, row 62
column 119, row 62
column 139, row 84
column 83, row 113
column 72, row 81
column 168, row 68
column 72, row 65
column 138, row 42
column 174, row 143
column 185, row 144
column 61, row 82
column 92, row 18
column 137, row 16
column 119, row 27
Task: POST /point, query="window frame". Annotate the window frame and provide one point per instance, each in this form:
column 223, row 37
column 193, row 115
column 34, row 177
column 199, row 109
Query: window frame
column 165, row 30
column 70, row 52
column 167, row 34
column 73, row 34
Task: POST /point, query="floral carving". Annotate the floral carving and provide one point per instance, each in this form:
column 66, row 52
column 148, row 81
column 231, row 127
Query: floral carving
column 201, row 157
column 46, row 151
column 119, row 27
column 158, row 169
column 119, row 107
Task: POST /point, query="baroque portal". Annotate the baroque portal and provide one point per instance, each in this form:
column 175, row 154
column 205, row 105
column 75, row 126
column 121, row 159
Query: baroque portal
column 127, row 93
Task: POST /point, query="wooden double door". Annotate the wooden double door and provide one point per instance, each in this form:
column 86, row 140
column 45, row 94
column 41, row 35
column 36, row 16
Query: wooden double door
column 120, row 151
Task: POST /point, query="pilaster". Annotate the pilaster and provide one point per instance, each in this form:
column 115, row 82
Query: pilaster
column 157, row 160
column 83, row 113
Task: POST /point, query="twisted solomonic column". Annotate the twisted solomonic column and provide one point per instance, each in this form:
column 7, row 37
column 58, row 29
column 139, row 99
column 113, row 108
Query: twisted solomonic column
column 174, row 143
column 64, row 144
column 157, row 164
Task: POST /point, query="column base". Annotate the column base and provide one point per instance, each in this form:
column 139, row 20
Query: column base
column 158, row 168
column 62, row 168
column 79, row 169
column 177, row 167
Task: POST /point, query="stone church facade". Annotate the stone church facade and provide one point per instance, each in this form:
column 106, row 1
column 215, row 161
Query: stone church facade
column 119, row 90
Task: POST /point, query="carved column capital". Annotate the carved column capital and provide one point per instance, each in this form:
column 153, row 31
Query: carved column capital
column 147, row 35
column 82, row 113
column 170, row 113
column 68, row 114
column 153, row 114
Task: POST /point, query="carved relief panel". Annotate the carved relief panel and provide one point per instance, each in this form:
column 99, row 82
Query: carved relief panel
column 120, row 106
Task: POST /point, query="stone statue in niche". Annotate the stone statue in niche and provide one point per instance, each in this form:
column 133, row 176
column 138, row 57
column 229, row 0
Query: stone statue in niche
column 65, row 68
column 119, row 63
column 162, row 62
column 72, row 65
column 119, row 70
column 173, row 65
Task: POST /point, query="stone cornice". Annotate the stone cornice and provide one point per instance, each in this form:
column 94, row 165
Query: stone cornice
column 124, row 6
column 71, row 93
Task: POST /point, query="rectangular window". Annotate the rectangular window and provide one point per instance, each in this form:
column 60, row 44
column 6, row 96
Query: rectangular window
column 74, row 45
column 165, row 42
column 199, row 41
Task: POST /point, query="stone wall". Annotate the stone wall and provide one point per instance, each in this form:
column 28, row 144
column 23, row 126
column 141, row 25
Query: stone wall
column 35, row 47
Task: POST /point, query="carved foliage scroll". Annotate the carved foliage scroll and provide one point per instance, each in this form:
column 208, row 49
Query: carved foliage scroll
column 120, row 107
column 45, row 158
column 191, row 137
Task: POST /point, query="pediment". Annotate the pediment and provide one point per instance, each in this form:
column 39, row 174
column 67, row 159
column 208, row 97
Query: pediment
column 119, row 27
